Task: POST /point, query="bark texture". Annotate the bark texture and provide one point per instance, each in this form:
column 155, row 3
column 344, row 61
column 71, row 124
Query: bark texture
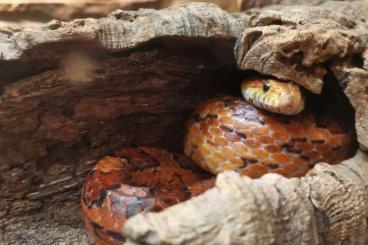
column 37, row 12
column 72, row 92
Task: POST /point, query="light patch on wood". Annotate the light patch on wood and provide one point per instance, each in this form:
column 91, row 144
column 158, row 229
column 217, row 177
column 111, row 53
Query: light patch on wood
column 79, row 69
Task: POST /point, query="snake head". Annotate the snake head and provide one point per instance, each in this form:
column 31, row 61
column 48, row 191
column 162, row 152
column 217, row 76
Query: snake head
column 273, row 95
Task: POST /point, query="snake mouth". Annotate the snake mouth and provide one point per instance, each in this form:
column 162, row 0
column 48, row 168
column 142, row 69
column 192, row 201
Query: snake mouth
column 273, row 95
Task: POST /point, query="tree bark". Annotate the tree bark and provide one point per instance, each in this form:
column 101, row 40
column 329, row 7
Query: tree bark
column 72, row 92
column 37, row 12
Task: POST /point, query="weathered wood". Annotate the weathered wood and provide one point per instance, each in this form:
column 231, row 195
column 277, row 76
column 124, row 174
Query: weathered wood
column 37, row 12
column 72, row 92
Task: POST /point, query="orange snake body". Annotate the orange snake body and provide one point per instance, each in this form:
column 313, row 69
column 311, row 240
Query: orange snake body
column 224, row 133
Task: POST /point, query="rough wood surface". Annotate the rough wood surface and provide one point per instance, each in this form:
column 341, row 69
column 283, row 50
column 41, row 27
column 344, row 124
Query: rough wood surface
column 121, row 30
column 74, row 91
column 36, row 12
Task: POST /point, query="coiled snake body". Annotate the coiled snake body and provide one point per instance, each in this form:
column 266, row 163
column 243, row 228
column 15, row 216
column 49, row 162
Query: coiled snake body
column 224, row 133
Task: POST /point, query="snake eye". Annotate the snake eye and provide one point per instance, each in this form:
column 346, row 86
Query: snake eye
column 266, row 86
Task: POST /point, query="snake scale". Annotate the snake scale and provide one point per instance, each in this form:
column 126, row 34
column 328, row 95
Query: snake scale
column 267, row 131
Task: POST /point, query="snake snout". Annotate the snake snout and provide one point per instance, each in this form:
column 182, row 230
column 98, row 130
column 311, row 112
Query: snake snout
column 290, row 104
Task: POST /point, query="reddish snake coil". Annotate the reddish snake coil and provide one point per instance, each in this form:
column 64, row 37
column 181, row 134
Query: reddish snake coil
column 224, row 133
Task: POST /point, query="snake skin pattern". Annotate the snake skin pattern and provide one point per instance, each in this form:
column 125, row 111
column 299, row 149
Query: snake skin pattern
column 223, row 133
column 229, row 134
column 133, row 181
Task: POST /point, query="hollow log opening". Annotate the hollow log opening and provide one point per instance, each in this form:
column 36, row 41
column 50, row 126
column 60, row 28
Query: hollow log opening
column 141, row 97
column 83, row 102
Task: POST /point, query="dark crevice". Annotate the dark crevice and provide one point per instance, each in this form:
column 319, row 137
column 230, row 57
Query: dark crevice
column 357, row 60
column 333, row 103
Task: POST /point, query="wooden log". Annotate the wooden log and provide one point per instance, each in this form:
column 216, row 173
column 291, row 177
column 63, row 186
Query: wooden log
column 37, row 12
column 72, row 92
